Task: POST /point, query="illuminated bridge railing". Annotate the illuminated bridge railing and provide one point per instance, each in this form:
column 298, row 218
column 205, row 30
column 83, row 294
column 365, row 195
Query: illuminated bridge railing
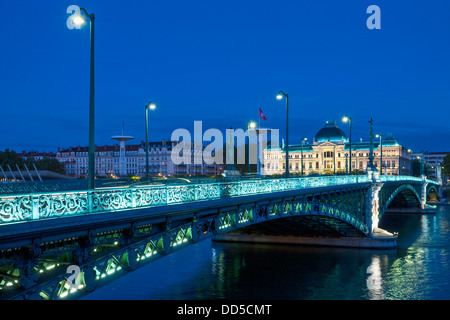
column 36, row 206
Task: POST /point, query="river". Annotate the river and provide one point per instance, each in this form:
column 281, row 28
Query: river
column 418, row 269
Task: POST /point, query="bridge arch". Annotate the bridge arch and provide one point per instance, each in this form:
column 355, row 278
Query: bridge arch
column 331, row 217
column 403, row 195
column 432, row 193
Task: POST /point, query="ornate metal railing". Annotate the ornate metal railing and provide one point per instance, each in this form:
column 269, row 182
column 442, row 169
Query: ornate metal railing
column 35, row 206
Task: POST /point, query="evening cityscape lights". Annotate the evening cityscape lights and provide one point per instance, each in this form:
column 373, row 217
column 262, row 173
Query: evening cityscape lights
column 203, row 199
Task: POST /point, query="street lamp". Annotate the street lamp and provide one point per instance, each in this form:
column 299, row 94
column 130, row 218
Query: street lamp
column 250, row 125
column 150, row 106
column 334, row 160
column 78, row 21
column 381, row 152
column 345, row 119
column 280, row 97
column 301, row 151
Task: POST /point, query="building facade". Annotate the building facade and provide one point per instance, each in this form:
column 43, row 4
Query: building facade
column 329, row 154
column 434, row 162
column 110, row 161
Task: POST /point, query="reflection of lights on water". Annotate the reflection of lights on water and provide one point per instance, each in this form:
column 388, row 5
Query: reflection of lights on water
column 374, row 280
column 424, row 221
column 429, row 222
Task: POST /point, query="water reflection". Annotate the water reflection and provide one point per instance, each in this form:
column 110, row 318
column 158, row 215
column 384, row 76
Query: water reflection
column 374, row 279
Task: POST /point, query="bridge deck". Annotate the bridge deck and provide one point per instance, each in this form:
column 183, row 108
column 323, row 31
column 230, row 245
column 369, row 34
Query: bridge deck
column 37, row 206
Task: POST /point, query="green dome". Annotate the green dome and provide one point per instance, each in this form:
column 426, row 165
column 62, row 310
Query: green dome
column 330, row 132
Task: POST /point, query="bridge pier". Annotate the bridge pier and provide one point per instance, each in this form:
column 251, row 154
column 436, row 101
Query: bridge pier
column 372, row 210
column 380, row 240
column 423, row 192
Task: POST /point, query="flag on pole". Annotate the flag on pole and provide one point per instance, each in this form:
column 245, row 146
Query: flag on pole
column 261, row 114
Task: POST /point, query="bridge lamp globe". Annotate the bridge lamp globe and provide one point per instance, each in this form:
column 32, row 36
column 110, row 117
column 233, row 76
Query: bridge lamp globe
column 279, row 96
column 78, row 20
column 344, row 119
column 152, row 106
column 252, row 125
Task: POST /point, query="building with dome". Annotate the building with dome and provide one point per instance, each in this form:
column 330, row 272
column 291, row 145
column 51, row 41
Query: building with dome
column 329, row 154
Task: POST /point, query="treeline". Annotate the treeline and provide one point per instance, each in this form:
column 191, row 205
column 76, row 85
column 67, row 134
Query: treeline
column 10, row 157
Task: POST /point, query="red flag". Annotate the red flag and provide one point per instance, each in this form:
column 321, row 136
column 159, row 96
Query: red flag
column 261, row 114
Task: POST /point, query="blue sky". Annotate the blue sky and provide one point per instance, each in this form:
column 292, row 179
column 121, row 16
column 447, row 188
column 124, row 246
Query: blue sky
column 219, row 62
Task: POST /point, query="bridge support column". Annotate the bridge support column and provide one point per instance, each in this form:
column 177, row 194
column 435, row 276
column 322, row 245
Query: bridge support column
column 423, row 193
column 372, row 207
column 28, row 274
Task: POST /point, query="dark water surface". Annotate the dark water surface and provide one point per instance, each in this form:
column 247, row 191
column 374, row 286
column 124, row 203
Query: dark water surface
column 417, row 270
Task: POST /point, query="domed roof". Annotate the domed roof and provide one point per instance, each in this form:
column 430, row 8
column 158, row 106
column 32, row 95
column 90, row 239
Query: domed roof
column 330, row 132
column 390, row 141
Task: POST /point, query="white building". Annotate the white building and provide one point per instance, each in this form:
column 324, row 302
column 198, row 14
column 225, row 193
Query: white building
column 329, row 154
column 108, row 161
column 434, row 162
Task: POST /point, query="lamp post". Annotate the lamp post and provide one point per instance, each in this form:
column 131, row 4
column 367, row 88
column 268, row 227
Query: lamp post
column 422, row 165
column 250, row 125
column 279, row 97
column 381, row 152
column 301, row 151
column 410, row 162
column 150, row 106
column 334, row 160
column 345, row 119
column 78, row 20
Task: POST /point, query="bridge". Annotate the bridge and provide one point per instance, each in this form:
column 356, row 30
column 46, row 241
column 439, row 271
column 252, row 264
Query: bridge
column 102, row 234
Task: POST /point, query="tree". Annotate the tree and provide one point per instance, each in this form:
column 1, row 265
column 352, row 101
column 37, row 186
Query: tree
column 10, row 157
column 446, row 166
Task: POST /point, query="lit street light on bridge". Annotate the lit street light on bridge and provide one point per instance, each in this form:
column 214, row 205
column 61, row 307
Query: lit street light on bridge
column 349, row 120
column 150, row 106
column 301, row 151
column 250, row 125
column 280, row 97
column 381, row 152
column 78, row 21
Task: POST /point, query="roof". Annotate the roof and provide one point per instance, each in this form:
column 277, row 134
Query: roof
column 116, row 147
column 390, row 141
column 330, row 132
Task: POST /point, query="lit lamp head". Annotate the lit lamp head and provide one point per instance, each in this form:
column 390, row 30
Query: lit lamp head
column 345, row 119
column 377, row 135
column 151, row 106
column 279, row 96
column 78, row 20
column 252, row 125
